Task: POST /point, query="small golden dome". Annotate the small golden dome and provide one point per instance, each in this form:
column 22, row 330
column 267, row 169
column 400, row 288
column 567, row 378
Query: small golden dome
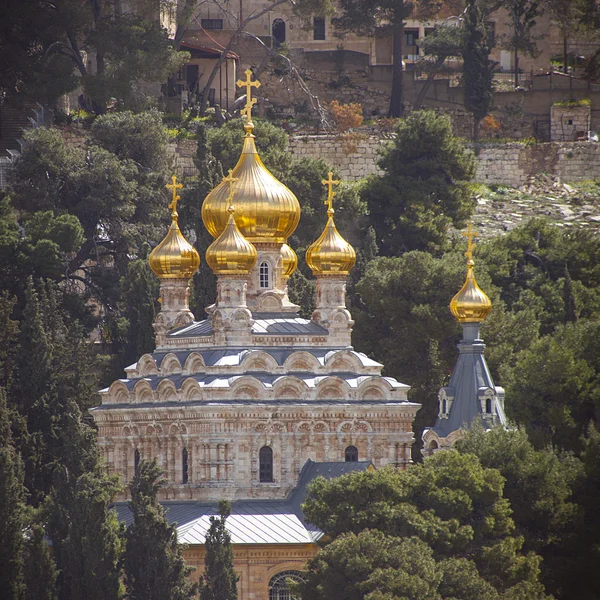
column 331, row 254
column 289, row 261
column 471, row 304
column 174, row 257
column 231, row 253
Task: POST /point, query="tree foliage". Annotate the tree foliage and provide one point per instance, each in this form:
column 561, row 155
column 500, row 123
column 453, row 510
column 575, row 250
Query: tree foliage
column 219, row 581
column 451, row 509
column 154, row 566
column 424, row 188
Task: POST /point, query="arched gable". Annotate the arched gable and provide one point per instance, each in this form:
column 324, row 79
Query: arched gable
column 119, row 393
column 170, row 365
column 374, row 388
column 247, row 388
column 146, row 366
column 167, row 391
column 343, row 361
column 302, row 361
column 194, row 363
column 190, row 390
column 332, row 388
column 289, row 387
column 258, row 360
column 143, row 392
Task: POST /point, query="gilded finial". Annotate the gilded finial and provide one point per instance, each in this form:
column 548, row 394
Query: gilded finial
column 330, row 182
column 469, row 234
column 471, row 304
column 250, row 101
column 174, row 186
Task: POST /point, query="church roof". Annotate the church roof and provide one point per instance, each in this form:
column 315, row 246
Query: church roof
column 254, row 521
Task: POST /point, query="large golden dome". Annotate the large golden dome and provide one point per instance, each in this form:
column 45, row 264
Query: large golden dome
column 231, row 253
column 174, row 257
column 266, row 210
column 331, row 254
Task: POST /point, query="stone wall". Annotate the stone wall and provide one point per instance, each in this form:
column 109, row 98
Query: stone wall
column 511, row 164
column 354, row 157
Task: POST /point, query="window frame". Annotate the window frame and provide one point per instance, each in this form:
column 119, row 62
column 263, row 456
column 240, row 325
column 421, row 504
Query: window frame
column 264, row 275
column 211, row 24
column 319, row 29
column 265, row 465
column 351, row 454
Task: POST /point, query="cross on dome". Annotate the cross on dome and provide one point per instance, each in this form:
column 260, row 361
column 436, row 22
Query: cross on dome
column 174, row 186
column 330, row 182
column 469, row 234
column 250, row 102
column 230, row 179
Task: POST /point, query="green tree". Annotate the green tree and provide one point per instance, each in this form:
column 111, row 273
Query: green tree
column 219, row 581
column 478, row 70
column 521, row 39
column 567, row 15
column 154, row 565
column 452, row 504
column 12, row 510
column 39, row 566
column 424, row 188
column 540, row 485
column 44, row 46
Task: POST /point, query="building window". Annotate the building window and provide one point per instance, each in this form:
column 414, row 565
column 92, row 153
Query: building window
column 184, row 466
column 263, row 275
column 136, row 459
column 351, row 454
column 488, row 406
column 211, row 23
column 444, row 406
column 490, row 27
column 278, row 586
column 410, row 37
column 265, row 459
column 319, row 28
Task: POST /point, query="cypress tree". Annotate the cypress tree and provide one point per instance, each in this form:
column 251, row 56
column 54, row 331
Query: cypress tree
column 12, row 510
column 219, row 580
column 477, row 67
column 39, row 567
column 154, row 565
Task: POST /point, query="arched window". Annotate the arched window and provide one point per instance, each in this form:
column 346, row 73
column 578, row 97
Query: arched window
column 265, row 459
column 444, row 406
column 264, row 275
column 351, row 454
column 488, row 406
column 278, row 32
column 278, row 586
column 136, row 459
column 184, row 465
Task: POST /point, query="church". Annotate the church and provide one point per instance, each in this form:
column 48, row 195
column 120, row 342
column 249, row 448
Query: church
column 254, row 402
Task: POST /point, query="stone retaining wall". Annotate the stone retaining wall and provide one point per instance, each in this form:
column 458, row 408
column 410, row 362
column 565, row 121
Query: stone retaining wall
column 510, row 164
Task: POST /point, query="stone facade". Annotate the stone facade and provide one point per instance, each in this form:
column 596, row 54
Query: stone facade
column 568, row 123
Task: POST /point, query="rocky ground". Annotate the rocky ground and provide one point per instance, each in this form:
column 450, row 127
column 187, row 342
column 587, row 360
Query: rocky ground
column 500, row 209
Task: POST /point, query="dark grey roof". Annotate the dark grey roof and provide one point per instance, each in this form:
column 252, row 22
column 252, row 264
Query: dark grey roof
column 253, row 521
column 470, row 376
column 264, row 324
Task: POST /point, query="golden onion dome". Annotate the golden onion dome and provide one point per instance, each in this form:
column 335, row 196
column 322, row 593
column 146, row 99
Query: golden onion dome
column 289, row 261
column 174, row 257
column 471, row 304
column 331, row 254
column 231, row 253
column 266, row 210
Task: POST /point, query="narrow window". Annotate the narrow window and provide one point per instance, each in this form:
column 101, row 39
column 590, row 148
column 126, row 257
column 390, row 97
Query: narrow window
column 265, row 459
column 319, row 28
column 136, row 459
column 351, row 454
column 444, row 406
column 488, row 405
column 263, row 275
column 184, row 466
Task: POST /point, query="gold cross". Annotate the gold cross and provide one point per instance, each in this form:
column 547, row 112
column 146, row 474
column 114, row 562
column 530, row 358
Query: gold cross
column 469, row 234
column 250, row 102
column 174, row 186
column 330, row 193
column 230, row 179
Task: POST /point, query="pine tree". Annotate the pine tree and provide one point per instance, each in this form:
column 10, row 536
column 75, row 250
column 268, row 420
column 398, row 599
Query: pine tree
column 154, row 565
column 12, row 510
column 219, row 580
